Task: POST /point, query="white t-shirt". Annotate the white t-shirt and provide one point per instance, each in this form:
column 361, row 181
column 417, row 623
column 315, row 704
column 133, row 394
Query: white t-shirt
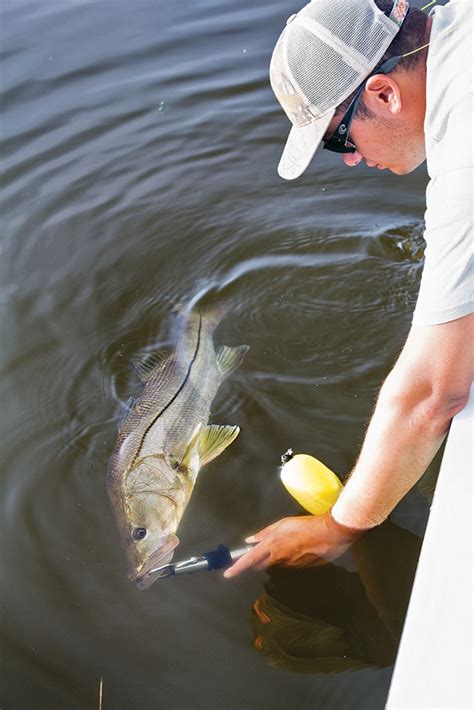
column 447, row 283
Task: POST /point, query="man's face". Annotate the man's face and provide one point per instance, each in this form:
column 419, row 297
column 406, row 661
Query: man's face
column 386, row 142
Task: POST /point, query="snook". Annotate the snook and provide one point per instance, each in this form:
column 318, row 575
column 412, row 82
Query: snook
column 164, row 442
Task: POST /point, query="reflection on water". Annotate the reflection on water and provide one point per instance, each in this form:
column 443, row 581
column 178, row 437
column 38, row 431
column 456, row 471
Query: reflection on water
column 139, row 149
column 327, row 619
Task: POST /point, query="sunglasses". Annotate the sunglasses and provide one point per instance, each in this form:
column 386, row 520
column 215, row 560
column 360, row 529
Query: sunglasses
column 339, row 141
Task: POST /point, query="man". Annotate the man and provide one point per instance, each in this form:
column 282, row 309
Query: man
column 380, row 82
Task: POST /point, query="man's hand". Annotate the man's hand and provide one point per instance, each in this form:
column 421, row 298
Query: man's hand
column 296, row 542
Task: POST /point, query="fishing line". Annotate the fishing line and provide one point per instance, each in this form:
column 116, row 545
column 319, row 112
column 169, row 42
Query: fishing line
column 443, row 34
column 433, row 2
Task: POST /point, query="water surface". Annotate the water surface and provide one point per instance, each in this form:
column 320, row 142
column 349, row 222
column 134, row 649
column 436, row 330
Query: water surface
column 140, row 144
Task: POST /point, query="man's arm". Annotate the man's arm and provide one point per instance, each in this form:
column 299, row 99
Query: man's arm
column 427, row 387
column 429, row 384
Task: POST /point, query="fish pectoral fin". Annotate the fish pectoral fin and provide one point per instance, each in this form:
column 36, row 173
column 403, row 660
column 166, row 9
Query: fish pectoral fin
column 191, row 445
column 214, row 439
column 228, row 359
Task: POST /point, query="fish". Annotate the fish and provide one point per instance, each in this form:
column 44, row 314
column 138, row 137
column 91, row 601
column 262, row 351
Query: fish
column 165, row 440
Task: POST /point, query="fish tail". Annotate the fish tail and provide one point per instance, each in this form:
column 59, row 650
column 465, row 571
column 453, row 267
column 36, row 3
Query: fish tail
column 211, row 313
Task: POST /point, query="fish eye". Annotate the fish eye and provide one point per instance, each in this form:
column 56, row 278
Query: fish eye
column 139, row 533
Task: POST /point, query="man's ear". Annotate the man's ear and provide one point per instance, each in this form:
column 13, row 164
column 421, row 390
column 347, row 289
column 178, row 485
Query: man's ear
column 382, row 94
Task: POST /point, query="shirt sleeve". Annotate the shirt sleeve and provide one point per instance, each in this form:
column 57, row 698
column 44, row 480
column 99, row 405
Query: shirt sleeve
column 446, row 290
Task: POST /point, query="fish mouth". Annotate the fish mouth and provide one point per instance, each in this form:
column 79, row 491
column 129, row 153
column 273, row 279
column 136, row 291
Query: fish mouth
column 148, row 574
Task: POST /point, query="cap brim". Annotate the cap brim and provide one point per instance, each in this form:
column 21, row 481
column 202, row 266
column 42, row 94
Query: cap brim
column 301, row 145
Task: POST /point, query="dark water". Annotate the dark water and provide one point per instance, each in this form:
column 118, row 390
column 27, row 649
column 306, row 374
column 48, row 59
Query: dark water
column 140, row 143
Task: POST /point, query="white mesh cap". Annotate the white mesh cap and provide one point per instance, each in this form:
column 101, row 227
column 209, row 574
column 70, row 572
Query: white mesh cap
column 324, row 53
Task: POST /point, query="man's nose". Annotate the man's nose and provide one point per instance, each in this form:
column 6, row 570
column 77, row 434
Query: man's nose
column 352, row 159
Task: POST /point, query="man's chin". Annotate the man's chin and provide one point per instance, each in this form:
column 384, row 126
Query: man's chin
column 406, row 169
column 401, row 170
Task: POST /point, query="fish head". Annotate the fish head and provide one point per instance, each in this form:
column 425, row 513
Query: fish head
column 148, row 504
column 149, row 537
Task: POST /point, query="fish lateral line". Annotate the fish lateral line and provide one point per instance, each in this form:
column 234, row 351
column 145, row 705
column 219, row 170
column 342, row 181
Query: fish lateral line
column 180, row 388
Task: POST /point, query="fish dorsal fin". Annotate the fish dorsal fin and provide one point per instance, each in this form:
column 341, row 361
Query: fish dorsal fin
column 214, row 439
column 228, row 359
column 146, row 369
column 190, row 447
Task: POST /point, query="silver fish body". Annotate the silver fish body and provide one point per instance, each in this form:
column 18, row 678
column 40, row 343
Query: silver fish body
column 164, row 442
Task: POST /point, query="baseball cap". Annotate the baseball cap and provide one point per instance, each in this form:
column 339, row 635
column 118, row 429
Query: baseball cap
column 324, row 53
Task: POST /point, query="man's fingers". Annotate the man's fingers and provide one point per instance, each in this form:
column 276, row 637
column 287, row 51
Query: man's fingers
column 262, row 534
column 250, row 559
column 258, row 536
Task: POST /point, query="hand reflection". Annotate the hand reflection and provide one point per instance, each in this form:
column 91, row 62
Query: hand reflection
column 326, row 619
